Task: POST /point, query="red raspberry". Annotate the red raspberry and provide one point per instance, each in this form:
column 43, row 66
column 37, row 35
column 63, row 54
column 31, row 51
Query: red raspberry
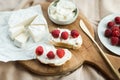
column 114, row 40
column 117, row 20
column 55, row 33
column 114, row 28
column 39, row 50
column 119, row 27
column 60, row 53
column 116, row 33
column 110, row 24
column 108, row 33
column 64, row 35
column 119, row 42
column 74, row 33
column 50, row 55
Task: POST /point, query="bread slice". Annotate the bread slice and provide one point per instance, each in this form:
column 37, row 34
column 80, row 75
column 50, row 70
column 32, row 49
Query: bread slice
column 56, row 61
column 73, row 43
column 65, row 45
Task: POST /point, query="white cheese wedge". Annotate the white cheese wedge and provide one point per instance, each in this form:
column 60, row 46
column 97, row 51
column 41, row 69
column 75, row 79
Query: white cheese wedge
column 24, row 17
column 21, row 39
column 39, row 20
column 37, row 32
column 15, row 31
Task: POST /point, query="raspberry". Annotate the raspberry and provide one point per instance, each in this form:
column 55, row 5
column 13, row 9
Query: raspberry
column 117, row 20
column 119, row 26
column 110, row 24
column 108, row 33
column 74, row 33
column 114, row 40
column 39, row 50
column 55, row 33
column 116, row 33
column 118, row 42
column 60, row 53
column 64, row 35
column 50, row 55
column 114, row 28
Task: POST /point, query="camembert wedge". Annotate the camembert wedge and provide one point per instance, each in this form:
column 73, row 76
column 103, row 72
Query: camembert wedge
column 21, row 39
column 39, row 20
column 15, row 31
column 37, row 32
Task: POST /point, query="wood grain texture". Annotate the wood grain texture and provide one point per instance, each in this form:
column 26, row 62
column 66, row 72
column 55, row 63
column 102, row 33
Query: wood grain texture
column 88, row 53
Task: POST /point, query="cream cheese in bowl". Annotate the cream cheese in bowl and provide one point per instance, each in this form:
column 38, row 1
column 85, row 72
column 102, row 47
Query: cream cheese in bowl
column 62, row 12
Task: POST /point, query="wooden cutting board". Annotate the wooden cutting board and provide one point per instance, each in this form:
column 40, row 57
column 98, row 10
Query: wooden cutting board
column 88, row 53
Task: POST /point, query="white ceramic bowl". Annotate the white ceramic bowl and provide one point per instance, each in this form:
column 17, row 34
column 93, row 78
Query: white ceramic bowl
column 62, row 22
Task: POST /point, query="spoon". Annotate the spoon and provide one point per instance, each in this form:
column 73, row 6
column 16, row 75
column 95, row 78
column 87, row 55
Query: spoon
column 84, row 28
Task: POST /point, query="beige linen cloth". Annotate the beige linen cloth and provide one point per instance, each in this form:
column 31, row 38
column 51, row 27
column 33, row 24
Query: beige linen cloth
column 94, row 10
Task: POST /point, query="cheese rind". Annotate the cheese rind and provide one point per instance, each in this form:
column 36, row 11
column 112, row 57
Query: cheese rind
column 15, row 31
column 23, row 17
column 21, row 39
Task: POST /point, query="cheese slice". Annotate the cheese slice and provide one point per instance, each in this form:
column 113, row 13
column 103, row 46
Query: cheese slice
column 22, row 17
column 39, row 20
column 37, row 32
column 15, row 31
column 21, row 39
